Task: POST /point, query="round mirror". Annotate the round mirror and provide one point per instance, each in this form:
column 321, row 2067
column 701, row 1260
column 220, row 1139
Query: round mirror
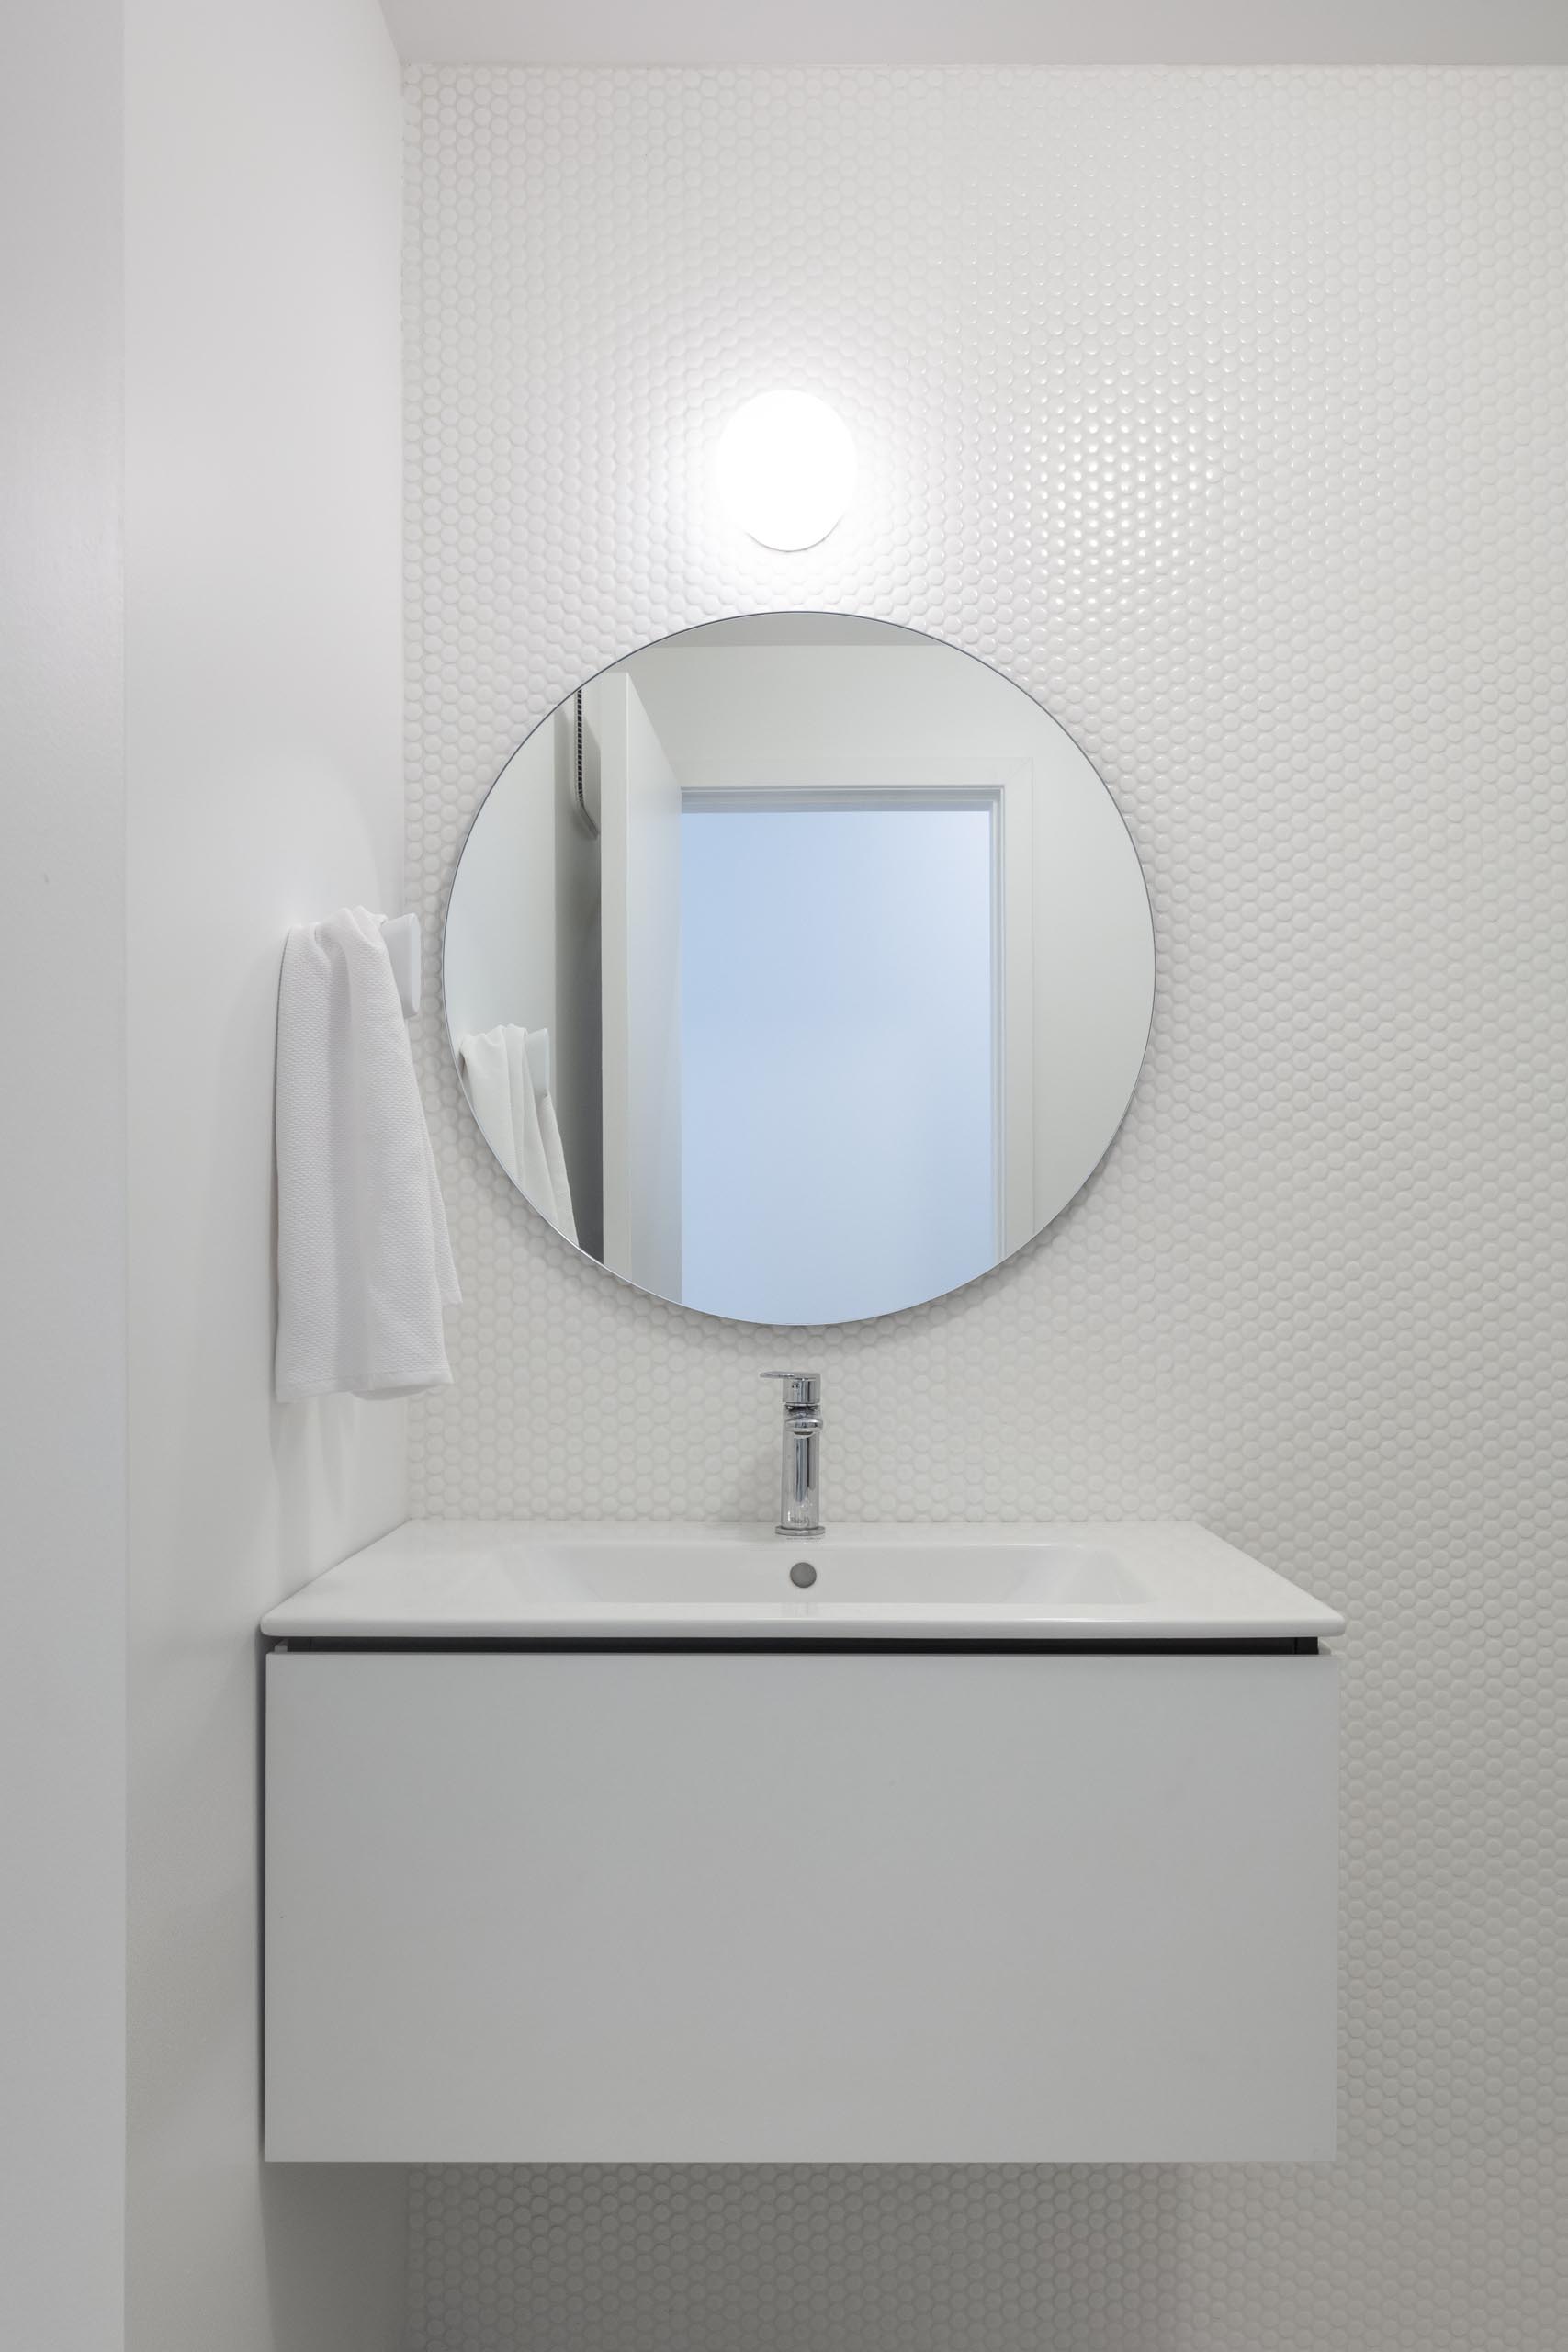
column 799, row 969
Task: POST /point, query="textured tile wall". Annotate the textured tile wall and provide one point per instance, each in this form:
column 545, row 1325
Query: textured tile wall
column 1227, row 413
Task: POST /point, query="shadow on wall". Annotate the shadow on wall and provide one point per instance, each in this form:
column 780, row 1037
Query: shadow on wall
column 878, row 2257
column 318, row 2302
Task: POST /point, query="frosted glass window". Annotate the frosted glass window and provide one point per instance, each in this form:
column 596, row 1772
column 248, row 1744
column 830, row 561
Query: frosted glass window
column 838, row 1014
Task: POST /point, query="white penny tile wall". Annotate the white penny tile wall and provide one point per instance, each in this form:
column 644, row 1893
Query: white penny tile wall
column 1226, row 412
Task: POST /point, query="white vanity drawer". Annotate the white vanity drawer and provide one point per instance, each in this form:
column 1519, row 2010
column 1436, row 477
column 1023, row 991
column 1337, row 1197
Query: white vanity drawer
column 799, row 1906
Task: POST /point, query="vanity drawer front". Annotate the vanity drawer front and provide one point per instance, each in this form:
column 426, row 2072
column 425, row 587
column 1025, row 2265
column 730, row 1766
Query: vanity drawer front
column 799, row 1907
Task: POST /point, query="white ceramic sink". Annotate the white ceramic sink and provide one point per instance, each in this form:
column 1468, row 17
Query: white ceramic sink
column 454, row 1580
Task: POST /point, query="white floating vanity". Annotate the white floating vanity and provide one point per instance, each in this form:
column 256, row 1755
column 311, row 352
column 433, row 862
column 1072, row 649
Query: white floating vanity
column 611, row 1846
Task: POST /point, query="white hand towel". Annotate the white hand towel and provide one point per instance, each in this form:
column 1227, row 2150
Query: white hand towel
column 518, row 1119
column 364, row 1263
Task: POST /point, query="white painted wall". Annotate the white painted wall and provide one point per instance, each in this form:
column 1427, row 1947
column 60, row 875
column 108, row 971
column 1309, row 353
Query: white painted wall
column 61, row 1188
column 264, row 765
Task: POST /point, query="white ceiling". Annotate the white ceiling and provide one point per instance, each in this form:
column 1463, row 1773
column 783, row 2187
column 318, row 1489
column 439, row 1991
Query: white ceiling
column 997, row 32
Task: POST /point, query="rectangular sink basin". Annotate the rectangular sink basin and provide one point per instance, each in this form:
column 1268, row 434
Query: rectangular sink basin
column 438, row 1581
column 757, row 1573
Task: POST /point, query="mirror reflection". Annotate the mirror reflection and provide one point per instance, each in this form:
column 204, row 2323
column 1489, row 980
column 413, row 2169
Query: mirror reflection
column 799, row 969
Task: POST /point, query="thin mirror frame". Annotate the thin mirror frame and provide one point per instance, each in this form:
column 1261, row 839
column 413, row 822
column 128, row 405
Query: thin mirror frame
column 797, row 613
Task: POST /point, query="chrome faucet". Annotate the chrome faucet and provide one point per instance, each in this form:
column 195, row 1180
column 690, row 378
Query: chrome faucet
column 798, row 1497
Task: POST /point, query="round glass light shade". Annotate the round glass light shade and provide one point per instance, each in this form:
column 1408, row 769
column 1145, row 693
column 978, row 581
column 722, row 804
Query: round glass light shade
column 785, row 468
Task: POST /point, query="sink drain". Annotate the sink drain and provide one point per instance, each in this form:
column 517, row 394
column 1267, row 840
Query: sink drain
column 803, row 1574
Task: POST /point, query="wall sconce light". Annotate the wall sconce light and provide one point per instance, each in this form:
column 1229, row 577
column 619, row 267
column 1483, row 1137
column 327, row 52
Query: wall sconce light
column 785, row 468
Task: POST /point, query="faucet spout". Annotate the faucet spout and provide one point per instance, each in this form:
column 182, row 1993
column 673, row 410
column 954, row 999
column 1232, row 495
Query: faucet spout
column 800, row 1473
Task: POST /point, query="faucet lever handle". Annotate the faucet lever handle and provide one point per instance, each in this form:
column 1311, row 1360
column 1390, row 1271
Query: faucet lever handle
column 802, row 1390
